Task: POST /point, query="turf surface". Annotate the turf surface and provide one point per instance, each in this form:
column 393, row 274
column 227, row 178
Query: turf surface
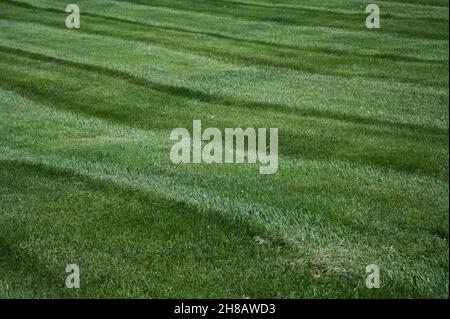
column 86, row 178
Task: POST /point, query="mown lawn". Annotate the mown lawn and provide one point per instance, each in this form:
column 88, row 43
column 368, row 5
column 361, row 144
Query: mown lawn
column 86, row 178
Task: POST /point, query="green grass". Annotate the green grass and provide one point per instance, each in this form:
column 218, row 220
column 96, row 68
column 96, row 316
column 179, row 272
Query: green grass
column 86, row 176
